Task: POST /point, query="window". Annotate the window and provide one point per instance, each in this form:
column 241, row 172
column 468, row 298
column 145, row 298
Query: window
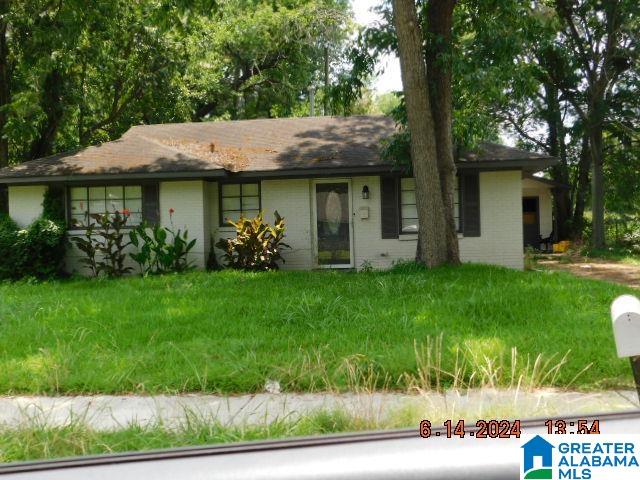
column 86, row 201
column 408, row 210
column 238, row 199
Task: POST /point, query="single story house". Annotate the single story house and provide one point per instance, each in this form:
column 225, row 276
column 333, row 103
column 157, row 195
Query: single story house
column 344, row 206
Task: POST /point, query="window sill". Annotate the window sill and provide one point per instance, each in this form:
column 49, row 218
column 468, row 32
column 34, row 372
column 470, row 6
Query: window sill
column 403, row 237
column 96, row 230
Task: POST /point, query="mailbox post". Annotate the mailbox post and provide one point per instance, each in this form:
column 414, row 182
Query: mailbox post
column 625, row 318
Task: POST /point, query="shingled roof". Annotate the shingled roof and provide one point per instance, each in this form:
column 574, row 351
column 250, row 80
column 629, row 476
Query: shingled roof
column 263, row 147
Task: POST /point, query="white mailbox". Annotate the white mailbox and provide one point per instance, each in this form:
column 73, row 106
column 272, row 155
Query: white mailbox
column 625, row 316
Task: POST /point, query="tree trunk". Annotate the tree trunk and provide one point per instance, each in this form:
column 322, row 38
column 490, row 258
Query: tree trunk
column 5, row 92
column 560, row 172
column 597, row 186
column 431, row 217
column 325, row 97
column 581, row 189
column 439, row 26
column 51, row 102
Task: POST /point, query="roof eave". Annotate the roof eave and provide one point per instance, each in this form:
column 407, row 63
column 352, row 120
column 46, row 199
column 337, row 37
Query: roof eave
column 532, row 165
column 529, row 164
column 25, row 180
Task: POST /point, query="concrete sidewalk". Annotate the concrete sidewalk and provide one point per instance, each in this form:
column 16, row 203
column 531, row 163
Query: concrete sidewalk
column 104, row 412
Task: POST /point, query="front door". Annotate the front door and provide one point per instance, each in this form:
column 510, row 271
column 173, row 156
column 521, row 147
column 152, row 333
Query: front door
column 333, row 224
column 531, row 222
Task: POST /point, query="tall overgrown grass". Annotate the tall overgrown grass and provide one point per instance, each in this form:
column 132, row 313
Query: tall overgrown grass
column 231, row 332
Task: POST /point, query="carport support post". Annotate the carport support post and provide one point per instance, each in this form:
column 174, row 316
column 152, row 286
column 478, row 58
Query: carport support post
column 635, row 366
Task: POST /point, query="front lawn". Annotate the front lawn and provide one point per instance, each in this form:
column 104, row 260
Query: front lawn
column 232, row 331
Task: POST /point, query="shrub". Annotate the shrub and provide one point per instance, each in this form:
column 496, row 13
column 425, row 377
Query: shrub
column 53, row 205
column 8, row 238
column 37, row 251
column 256, row 246
column 161, row 249
column 40, row 250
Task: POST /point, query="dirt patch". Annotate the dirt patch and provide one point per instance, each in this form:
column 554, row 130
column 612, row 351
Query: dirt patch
column 596, row 268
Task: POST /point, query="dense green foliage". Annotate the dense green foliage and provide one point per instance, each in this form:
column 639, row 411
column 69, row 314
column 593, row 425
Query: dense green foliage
column 230, row 331
column 257, row 245
column 8, row 235
column 560, row 77
column 161, row 249
column 37, row 251
column 75, row 73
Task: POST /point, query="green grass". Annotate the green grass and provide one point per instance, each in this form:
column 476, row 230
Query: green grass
column 231, row 331
column 37, row 442
column 617, row 253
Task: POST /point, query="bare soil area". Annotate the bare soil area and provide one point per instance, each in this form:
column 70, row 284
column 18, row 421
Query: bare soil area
column 600, row 269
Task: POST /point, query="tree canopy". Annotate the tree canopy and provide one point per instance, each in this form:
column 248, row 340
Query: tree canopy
column 74, row 73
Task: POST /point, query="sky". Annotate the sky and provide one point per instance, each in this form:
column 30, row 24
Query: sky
column 389, row 80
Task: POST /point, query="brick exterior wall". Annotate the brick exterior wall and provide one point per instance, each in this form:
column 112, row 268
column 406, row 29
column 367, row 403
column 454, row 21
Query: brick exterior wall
column 25, row 203
column 188, row 199
column 195, row 204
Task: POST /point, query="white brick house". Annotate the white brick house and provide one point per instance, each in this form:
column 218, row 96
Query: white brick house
column 344, row 206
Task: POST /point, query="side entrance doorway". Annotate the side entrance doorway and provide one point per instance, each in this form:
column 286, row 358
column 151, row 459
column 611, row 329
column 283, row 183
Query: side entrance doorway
column 531, row 221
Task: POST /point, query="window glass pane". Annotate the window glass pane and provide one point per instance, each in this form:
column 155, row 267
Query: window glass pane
column 250, row 213
column 96, row 193
column 135, row 218
column 231, row 189
column 134, row 205
column 114, row 193
column 409, row 211
column 231, row 203
column 97, row 206
column 409, row 225
column 408, row 197
column 115, row 205
column 133, row 191
column 78, row 219
column 408, row 183
column 250, row 189
column 79, row 193
column 250, row 203
column 231, row 215
column 78, row 207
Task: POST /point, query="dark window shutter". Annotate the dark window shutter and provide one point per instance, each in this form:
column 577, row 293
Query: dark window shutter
column 389, row 209
column 470, row 202
column 151, row 203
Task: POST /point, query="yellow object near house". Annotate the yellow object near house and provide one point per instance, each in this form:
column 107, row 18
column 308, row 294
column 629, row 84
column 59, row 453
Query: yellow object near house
column 561, row 247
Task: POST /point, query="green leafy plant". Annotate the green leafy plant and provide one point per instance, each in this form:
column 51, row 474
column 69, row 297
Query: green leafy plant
column 104, row 244
column 86, row 245
column 161, row 249
column 256, row 246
